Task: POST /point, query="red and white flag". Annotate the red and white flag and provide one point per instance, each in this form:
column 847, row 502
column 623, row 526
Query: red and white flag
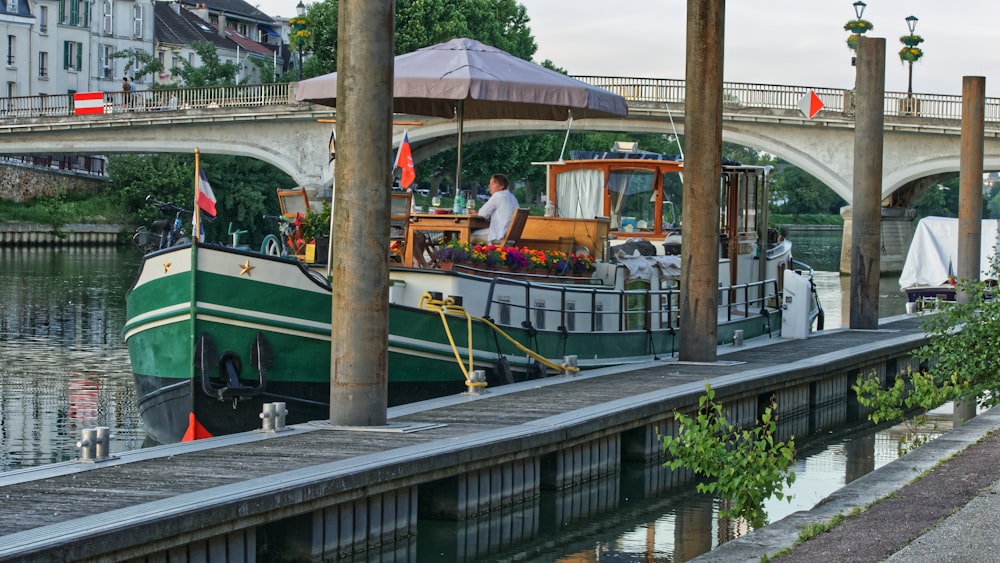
column 404, row 160
column 810, row 104
column 206, row 197
column 85, row 103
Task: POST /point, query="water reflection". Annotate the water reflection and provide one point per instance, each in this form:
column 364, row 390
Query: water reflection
column 63, row 366
column 646, row 512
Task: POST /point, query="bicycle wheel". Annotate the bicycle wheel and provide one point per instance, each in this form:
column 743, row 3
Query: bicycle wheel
column 271, row 246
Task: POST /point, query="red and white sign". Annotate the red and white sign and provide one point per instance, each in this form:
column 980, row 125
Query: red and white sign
column 88, row 102
column 810, row 104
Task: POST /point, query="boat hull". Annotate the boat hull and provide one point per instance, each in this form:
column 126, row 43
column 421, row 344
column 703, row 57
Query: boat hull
column 215, row 333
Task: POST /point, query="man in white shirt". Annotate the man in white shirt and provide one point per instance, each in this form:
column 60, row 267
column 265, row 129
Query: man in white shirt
column 499, row 209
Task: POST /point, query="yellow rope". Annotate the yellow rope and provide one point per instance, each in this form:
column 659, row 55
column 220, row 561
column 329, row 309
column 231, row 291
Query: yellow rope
column 446, row 306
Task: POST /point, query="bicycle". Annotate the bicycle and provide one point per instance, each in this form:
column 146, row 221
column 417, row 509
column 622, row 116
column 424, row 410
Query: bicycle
column 290, row 243
column 165, row 232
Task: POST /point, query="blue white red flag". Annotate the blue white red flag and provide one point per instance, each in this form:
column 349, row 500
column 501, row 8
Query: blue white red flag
column 206, row 197
column 404, row 160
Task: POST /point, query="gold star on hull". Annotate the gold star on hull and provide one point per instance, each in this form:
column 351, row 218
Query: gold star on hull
column 246, row 268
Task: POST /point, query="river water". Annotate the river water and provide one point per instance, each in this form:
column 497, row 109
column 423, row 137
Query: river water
column 64, row 367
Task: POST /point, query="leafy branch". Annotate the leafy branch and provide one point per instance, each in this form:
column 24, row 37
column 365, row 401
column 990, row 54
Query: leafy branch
column 745, row 466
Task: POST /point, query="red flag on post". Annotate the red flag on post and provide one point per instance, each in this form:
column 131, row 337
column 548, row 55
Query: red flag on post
column 206, row 197
column 404, row 160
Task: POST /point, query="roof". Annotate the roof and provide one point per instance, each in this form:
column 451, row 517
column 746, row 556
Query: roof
column 239, row 8
column 184, row 28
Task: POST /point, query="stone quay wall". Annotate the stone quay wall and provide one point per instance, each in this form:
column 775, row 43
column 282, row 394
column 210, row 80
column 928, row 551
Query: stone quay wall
column 77, row 234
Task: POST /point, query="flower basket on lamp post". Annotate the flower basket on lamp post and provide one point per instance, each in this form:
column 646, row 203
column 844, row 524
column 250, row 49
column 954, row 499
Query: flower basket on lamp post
column 859, row 26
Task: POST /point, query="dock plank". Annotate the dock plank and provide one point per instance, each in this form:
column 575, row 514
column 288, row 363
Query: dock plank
column 505, row 420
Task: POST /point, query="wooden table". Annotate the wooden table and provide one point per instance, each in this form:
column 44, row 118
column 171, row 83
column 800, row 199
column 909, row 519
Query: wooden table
column 460, row 225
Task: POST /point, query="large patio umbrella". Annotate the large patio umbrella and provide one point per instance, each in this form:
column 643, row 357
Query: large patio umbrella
column 466, row 79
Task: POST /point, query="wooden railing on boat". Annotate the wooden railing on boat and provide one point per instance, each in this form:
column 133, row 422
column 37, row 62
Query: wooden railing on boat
column 567, row 235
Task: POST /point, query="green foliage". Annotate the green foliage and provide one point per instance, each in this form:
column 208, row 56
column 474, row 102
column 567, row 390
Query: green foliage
column 941, row 200
column 794, row 192
column 913, row 390
column 421, row 23
column 211, row 71
column 806, row 219
column 316, row 224
column 244, row 187
column 744, row 466
column 963, row 343
column 138, row 63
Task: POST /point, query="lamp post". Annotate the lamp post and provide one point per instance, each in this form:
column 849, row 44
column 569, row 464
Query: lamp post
column 858, row 26
column 910, row 51
column 299, row 27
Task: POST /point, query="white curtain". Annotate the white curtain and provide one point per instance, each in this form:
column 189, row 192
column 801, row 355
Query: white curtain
column 580, row 194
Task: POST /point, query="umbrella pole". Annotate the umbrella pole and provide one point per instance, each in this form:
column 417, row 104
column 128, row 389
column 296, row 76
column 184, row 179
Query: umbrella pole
column 460, row 111
column 566, row 138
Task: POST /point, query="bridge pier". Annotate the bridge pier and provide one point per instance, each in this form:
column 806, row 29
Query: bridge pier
column 896, row 236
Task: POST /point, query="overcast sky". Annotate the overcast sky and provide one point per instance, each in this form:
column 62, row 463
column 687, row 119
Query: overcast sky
column 783, row 42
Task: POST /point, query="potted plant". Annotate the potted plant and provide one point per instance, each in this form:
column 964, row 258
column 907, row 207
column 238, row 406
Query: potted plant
column 315, row 230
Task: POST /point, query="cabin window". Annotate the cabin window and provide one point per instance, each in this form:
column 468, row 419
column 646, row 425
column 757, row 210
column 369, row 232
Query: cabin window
column 633, row 201
column 504, row 313
column 637, row 305
column 540, row 314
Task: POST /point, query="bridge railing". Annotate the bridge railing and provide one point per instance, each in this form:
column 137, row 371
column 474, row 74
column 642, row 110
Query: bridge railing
column 736, row 96
column 61, row 105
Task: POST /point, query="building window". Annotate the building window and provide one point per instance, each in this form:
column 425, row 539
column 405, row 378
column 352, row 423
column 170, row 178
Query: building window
column 108, row 17
column 11, row 49
column 107, row 62
column 11, row 89
column 137, row 21
column 43, row 19
column 72, row 55
column 43, row 64
column 12, row 6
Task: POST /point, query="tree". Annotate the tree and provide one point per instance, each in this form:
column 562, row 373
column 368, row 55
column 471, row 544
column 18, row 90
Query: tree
column 421, row 23
column 211, row 72
column 795, row 192
column 138, row 63
column 244, row 187
column 940, row 200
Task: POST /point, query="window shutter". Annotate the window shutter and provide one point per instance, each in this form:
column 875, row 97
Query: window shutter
column 74, row 13
column 62, row 11
column 137, row 23
column 66, row 54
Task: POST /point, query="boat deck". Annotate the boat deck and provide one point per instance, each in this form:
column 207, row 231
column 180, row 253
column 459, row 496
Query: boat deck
column 78, row 510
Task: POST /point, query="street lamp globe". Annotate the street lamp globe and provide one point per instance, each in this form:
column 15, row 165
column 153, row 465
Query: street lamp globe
column 300, row 9
column 911, row 23
column 859, row 9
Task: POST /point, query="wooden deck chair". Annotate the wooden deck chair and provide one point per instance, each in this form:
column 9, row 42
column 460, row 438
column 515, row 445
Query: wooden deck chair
column 293, row 202
column 399, row 219
column 516, row 227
